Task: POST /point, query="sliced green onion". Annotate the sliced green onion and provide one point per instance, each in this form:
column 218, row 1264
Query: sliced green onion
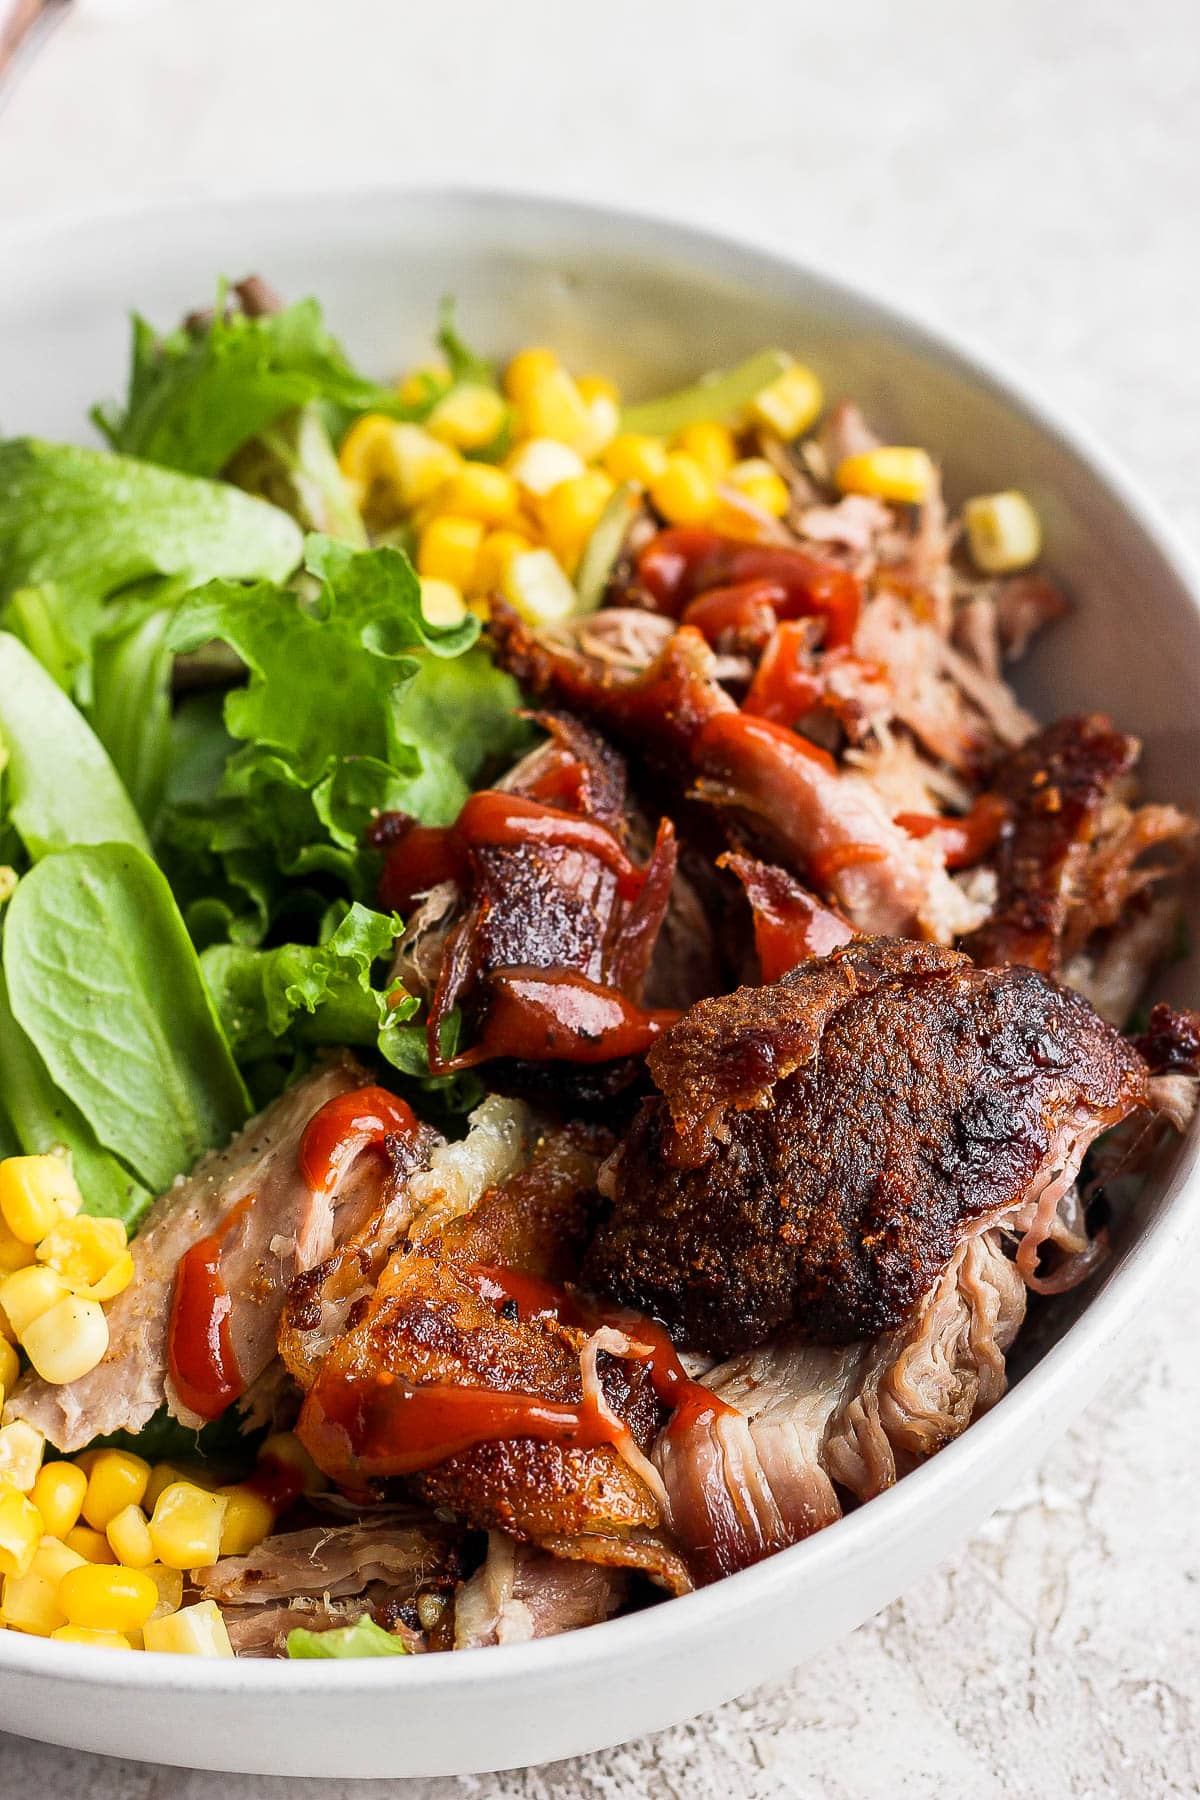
column 722, row 395
column 604, row 546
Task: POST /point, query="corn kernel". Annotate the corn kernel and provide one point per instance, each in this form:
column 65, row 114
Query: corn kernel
column 98, row 1640
column 67, row 1341
column 789, row 404
column 58, row 1495
column 27, row 1293
column 22, row 1447
column 598, row 387
column 192, row 1631
column 163, row 1474
column 93, row 1546
column 480, row 491
column 20, row 1530
column 29, row 1602
column 13, row 1255
column 423, row 384
column 1004, row 533
column 536, row 584
column 756, row 481
column 604, row 421
column 635, row 457
column 540, row 464
column 285, row 1447
column 526, row 368
column 186, row 1526
column 442, row 602
column 711, row 443
column 169, row 1583
column 684, row 493
column 495, row 554
column 553, row 407
column 35, row 1192
column 892, row 472
column 569, row 513
column 10, row 1366
column 470, row 417
column 112, row 1599
column 90, row 1256
column 118, row 1479
column 448, row 548
column 129, row 1538
column 248, row 1520
column 403, row 460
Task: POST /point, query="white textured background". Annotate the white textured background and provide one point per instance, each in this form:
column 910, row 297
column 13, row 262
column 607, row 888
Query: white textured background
column 1028, row 171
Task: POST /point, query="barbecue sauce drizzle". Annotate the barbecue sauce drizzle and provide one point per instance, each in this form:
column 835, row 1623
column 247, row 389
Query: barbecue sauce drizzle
column 685, row 561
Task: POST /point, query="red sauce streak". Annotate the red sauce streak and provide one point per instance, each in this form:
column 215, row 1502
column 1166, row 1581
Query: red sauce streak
column 784, row 687
column 346, row 1125
column 790, row 924
column 964, row 841
column 748, row 608
column 394, row 1427
column 277, row 1482
column 200, row 1354
column 493, row 820
column 556, row 1015
column 687, row 560
column 727, row 733
column 827, row 865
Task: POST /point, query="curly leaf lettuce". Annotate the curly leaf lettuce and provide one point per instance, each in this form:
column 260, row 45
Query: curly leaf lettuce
column 365, row 1638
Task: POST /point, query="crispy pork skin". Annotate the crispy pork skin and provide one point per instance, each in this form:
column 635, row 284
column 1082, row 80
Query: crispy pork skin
column 271, row 1225
column 818, row 1148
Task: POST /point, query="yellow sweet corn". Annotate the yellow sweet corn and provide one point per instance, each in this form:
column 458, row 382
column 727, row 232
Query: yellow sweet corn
column 442, row 602
column 93, row 1546
column 569, row 513
column 542, row 463
column 598, row 387
column 1004, row 533
column 67, row 1340
column 186, row 1525
column 35, row 1192
column 192, row 1631
column 57, row 1493
column 553, row 407
column 495, row 553
column 10, row 1366
column 420, row 385
column 20, row 1530
column 13, row 1255
column 479, row 491
column 536, row 584
column 684, row 493
column 604, row 422
column 448, row 548
column 892, row 472
column 169, row 1583
column 470, row 417
column 712, row 446
column 98, row 1640
column 403, row 461
column 29, row 1602
column 633, row 456
column 248, row 1520
column 789, row 404
column 526, row 367
column 89, row 1255
column 285, row 1447
column 756, row 481
column 163, row 1474
column 118, row 1479
column 22, row 1447
column 107, row 1599
column 29, row 1292
column 129, row 1538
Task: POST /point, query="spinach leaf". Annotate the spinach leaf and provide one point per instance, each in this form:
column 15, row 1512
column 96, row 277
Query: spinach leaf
column 61, row 787
column 103, row 979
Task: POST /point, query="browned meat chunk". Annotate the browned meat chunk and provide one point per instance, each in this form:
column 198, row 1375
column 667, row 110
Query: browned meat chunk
column 1073, row 855
column 818, row 1147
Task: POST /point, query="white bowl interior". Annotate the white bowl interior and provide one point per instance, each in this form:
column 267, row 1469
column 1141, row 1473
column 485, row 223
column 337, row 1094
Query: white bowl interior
column 653, row 305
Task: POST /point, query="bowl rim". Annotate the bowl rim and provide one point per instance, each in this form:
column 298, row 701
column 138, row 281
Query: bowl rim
column 1115, row 1307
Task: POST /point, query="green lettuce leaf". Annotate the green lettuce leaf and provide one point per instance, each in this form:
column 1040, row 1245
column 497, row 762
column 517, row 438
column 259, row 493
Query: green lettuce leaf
column 363, row 1639
column 197, row 395
column 292, row 464
column 105, row 983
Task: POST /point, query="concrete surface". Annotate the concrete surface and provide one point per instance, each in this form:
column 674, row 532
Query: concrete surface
column 1028, row 172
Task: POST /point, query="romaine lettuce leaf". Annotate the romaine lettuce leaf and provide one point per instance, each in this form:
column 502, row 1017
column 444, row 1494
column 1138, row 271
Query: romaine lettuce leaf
column 366, row 1638
column 104, row 981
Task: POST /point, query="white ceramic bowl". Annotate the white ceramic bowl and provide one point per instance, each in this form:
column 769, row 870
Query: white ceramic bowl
column 652, row 303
